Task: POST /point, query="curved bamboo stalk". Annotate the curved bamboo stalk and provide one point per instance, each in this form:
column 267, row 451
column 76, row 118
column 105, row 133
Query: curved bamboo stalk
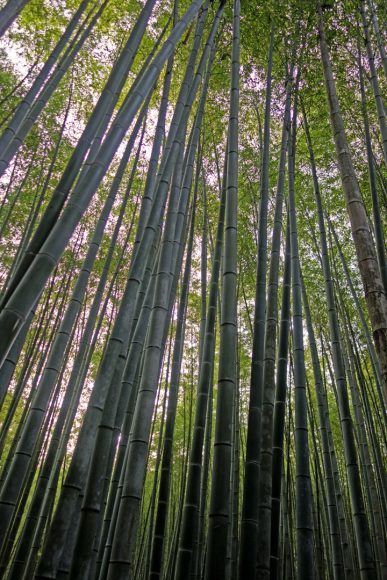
column 368, row 264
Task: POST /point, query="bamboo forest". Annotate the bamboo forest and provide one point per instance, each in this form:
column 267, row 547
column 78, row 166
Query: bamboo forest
column 193, row 289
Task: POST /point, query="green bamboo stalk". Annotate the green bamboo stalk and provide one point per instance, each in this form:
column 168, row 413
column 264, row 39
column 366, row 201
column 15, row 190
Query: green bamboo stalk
column 279, row 413
column 368, row 264
column 26, row 295
column 374, row 81
column 9, row 13
column 362, row 533
column 304, row 497
column 250, row 508
column 221, row 469
column 265, row 472
column 324, row 420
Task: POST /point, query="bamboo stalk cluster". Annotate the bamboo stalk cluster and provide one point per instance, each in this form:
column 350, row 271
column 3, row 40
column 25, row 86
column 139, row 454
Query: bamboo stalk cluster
column 153, row 430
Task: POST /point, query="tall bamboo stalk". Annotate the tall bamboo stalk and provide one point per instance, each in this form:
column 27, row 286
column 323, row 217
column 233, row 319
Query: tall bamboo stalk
column 368, row 264
column 219, row 511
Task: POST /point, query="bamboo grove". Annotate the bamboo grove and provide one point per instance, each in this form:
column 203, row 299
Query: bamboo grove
column 193, row 306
